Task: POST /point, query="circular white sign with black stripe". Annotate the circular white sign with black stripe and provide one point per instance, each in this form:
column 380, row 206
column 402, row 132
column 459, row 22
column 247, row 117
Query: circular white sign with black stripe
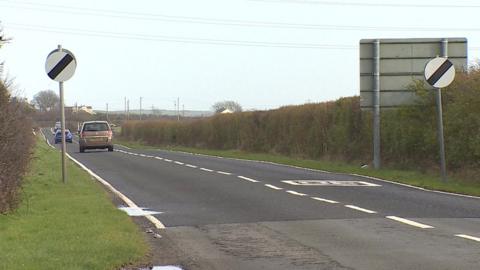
column 60, row 65
column 439, row 72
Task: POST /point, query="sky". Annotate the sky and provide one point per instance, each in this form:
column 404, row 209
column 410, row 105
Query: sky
column 263, row 54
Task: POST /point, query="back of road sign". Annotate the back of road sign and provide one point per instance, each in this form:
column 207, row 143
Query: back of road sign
column 401, row 62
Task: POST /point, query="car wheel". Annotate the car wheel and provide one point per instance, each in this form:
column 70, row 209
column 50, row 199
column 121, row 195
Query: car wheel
column 110, row 149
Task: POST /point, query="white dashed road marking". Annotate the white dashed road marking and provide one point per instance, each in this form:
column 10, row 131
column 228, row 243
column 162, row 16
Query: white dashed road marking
column 273, row 187
column 360, row 209
column 468, row 237
column 323, row 200
column 296, row 193
column 123, row 146
column 410, row 222
column 248, row 179
column 399, row 219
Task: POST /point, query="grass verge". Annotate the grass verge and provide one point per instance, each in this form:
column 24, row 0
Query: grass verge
column 414, row 178
column 66, row 226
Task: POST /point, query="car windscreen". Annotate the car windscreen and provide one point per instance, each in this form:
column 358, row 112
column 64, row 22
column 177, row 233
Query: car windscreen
column 95, row 127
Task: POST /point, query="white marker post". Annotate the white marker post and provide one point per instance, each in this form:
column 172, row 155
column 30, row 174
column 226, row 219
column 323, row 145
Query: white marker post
column 439, row 73
column 60, row 66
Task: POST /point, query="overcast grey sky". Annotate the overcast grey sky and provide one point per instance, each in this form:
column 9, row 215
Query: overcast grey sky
column 262, row 53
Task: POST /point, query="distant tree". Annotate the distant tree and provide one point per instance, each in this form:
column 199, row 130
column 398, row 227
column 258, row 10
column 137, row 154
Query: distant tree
column 220, row 106
column 46, row 100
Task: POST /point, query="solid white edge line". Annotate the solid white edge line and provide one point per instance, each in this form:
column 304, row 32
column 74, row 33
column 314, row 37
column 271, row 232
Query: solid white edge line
column 225, row 173
column 468, row 237
column 273, row 187
column 360, row 209
column 296, row 193
column 323, row 200
column 46, row 140
column 414, row 187
column 248, row 179
column 205, row 169
column 158, row 224
column 410, row 222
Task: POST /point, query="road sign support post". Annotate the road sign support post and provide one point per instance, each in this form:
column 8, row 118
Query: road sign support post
column 60, row 66
column 376, row 104
column 64, row 145
column 441, row 140
column 62, row 115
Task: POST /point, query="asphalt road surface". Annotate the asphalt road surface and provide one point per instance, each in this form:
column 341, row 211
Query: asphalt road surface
column 231, row 214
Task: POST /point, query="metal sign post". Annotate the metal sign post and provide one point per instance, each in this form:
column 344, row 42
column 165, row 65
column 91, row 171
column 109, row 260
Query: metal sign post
column 376, row 105
column 439, row 73
column 60, row 66
column 64, row 145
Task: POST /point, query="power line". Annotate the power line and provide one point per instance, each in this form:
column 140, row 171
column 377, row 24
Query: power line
column 162, row 38
column 368, row 4
column 222, row 22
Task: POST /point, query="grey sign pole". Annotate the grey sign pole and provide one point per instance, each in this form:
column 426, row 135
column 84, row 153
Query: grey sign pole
column 62, row 112
column 441, row 140
column 376, row 104
column 64, row 146
column 60, row 66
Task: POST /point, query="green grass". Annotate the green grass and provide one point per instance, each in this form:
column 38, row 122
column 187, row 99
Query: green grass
column 415, row 178
column 66, row 226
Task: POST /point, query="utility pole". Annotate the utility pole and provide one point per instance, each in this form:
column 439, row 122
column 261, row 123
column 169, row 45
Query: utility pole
column 125, row 107
column 76, row 116
column 107, row 111
column 128, row 109
column 140, row 108
column 178, row 109
column 183, row 110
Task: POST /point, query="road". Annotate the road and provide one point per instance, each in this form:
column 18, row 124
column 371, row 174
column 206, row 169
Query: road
column 224, row 213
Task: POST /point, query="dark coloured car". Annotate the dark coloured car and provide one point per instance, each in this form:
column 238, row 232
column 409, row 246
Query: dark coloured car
column 95, row 135
column 68, row 136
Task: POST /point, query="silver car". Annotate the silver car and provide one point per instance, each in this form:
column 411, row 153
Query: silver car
column 95, row 135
